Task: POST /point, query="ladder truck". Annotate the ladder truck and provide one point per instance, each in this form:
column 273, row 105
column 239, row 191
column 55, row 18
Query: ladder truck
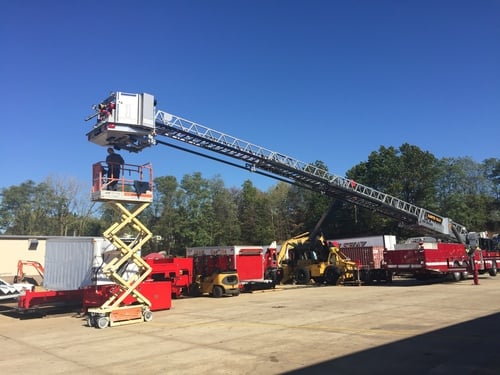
column 131, row 121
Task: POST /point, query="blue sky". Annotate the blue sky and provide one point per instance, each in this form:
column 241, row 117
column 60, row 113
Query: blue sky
column 315, row 80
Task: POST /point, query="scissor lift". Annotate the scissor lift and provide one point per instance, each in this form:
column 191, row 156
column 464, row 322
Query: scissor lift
column 132, row 195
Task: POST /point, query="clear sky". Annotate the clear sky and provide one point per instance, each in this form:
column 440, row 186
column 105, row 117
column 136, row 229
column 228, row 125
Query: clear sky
column 313, row 79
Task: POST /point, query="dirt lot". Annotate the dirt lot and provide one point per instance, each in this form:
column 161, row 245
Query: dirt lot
column 406, row 327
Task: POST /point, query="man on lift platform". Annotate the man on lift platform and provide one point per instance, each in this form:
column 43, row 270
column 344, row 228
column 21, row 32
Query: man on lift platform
column 115, row 163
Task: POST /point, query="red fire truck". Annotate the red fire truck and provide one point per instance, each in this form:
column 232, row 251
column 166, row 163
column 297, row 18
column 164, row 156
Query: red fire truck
column 424, row 257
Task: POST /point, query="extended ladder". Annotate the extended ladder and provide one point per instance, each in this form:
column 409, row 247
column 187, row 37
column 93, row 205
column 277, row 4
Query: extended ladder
column 306, row 175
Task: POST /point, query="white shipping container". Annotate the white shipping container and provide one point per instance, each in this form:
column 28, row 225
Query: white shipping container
column 71, row 262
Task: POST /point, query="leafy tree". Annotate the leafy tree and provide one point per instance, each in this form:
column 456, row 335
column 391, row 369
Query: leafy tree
column 467, row 192
column 16, row 209
column 407, row 173
column 226, row 226
column 280, row 211
column 164, row 215
column 248, row 212
column 52, row 207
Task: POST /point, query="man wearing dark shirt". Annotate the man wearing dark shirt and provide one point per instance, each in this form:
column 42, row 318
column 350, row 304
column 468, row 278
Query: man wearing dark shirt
column 115, row 162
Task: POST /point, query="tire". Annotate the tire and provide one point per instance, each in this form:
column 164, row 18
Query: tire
column 102, row 322
column 302, row 276
column 332, row 275
column 367, row 276
column 147, row 315
column 90, row 321
column 388, row 277
column 217, row 291
column 456, row 276
column 493, row 270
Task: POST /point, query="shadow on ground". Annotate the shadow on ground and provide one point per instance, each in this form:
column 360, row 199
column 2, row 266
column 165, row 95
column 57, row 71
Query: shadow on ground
column 471, row 347
column 9, row 309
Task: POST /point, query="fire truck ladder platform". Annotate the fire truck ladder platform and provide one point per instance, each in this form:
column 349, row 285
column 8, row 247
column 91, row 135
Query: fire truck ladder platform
column 302, row 174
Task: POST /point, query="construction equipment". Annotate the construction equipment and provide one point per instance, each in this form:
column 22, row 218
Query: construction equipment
column 312, row 258
column 22, row 276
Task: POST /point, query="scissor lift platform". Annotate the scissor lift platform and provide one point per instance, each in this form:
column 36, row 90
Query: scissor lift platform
column 134, row 185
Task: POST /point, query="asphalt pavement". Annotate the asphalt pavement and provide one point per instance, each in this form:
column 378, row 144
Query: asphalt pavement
column 406, row 327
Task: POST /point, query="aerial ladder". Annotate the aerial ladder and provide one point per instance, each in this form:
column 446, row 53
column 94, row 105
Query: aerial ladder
column 144, row 126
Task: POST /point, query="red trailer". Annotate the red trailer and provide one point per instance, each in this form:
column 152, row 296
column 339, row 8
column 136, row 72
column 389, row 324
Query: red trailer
column 368, row 253
column 370, row 262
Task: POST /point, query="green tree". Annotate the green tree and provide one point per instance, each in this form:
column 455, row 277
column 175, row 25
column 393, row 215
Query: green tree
column 226, row 227
column 164, row 215
column 248, row 212
column 280, row 211
column 52, row 207
column 467, row 192
column 407, row 173
column 196, row 211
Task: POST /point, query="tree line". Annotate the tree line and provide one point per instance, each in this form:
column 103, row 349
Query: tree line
column 197, row 211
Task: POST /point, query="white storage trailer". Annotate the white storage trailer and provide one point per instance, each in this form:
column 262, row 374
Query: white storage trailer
column 75, row 262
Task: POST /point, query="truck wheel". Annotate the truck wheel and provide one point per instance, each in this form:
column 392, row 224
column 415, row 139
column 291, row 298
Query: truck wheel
column 388, row 277
column 302, row 276
column 332, row 275
column 456, row 276
column 217, row 291
column 493, row 270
